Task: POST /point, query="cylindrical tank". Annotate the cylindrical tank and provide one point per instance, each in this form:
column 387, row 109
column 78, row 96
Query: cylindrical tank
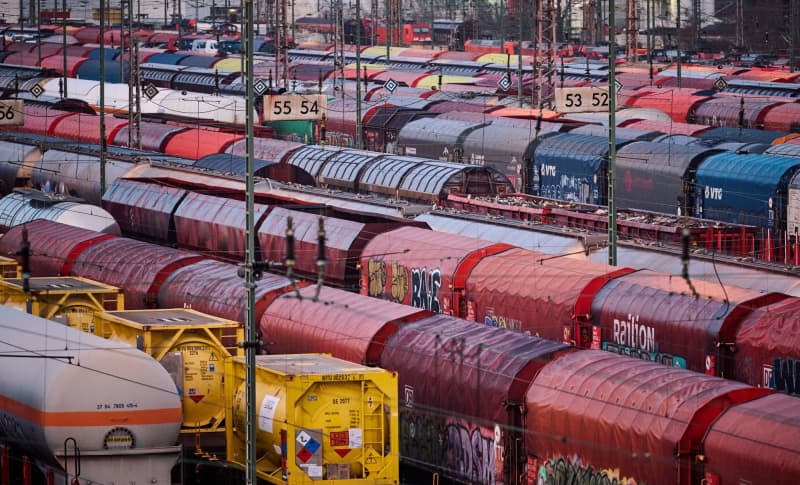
column 18, row 160
column 118, row 403
column 25, row 206
column 191, row 345
column 76, row 174
column 319, row 418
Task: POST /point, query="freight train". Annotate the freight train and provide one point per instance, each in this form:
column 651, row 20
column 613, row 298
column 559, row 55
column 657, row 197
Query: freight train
column 720, row 330
column 480, row 404
column 291, row 162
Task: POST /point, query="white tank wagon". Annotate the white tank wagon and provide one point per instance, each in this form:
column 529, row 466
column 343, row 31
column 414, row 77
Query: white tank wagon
column 25, row 205
column 119, row 405
column 16, row 162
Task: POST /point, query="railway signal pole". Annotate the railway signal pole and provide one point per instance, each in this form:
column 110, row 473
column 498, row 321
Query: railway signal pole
column 612, row 138
column 632, row 32
column 546, row 22
column 251, row 338
column 102, row 97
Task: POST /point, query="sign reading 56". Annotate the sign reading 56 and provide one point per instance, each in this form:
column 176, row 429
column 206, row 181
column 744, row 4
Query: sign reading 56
column 581, row 100
column 11, row 112
column 295, row 107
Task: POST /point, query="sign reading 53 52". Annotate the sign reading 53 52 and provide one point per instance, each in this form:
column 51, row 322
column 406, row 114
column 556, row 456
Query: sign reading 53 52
column 295, row 107
column 581, row 100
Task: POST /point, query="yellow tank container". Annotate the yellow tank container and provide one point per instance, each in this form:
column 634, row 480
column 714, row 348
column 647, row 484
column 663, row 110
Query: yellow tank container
column 9, row 268
column 191, row 345
column 68, row 299
column 319, row 419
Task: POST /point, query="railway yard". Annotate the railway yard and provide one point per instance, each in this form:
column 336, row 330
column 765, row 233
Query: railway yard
column 474, row 261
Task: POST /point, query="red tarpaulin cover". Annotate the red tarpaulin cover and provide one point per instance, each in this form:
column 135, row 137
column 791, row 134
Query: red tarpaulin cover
column 215, row 288
column 756, row 442
column 52, row 245
column 612, row 412
column 350, row 326
column 214, row 225
column 417, row 267
column 143, row 209
column 529, row 291
column 138, row 268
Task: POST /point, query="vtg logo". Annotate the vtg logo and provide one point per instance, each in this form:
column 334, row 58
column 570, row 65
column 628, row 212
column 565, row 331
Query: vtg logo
column 547, row 170
column 713, row 193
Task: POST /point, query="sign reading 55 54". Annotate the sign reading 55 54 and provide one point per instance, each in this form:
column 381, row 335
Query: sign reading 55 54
column 295, row 107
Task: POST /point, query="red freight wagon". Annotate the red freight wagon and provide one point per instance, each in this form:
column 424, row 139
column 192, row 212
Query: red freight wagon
column 53, row 245
column 216, row 288
column 533, row 292
column 479, row 376
column 344, row 243
column 597, row 414
column 422, row 268
column 657, row 317
column 137, row 267
column 677, row 103
column 197, row 143
column 86, row 128
column 153, row 136
column 214, row 225
column 767, row 348
column 754, row 442
column 143, row 209
column 347, row 325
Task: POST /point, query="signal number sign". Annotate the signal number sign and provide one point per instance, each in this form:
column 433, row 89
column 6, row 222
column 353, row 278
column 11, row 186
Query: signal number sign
column 295, row 107
column 11, row 112
column 581, row 100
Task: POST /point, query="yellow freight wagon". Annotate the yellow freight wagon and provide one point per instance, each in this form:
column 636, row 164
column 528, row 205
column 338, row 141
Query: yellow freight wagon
column 191, row 345
column 70, row 299
column 318, row 419
column 9, row 268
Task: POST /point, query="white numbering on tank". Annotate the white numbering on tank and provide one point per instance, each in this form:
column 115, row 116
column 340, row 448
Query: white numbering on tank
column 267, row 412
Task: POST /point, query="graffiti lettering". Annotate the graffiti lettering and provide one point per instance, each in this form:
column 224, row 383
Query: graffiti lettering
column 558, row 471
column 664, row 359
column 399, row 283
column 499, row 321
column 460, row 449
column 425, row 289
column 470, row 454
column 631, row 334
column 786, row 375
column 376, row 271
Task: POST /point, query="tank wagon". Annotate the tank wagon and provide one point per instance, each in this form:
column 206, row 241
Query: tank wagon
column 74, row 398
column 321, row 419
